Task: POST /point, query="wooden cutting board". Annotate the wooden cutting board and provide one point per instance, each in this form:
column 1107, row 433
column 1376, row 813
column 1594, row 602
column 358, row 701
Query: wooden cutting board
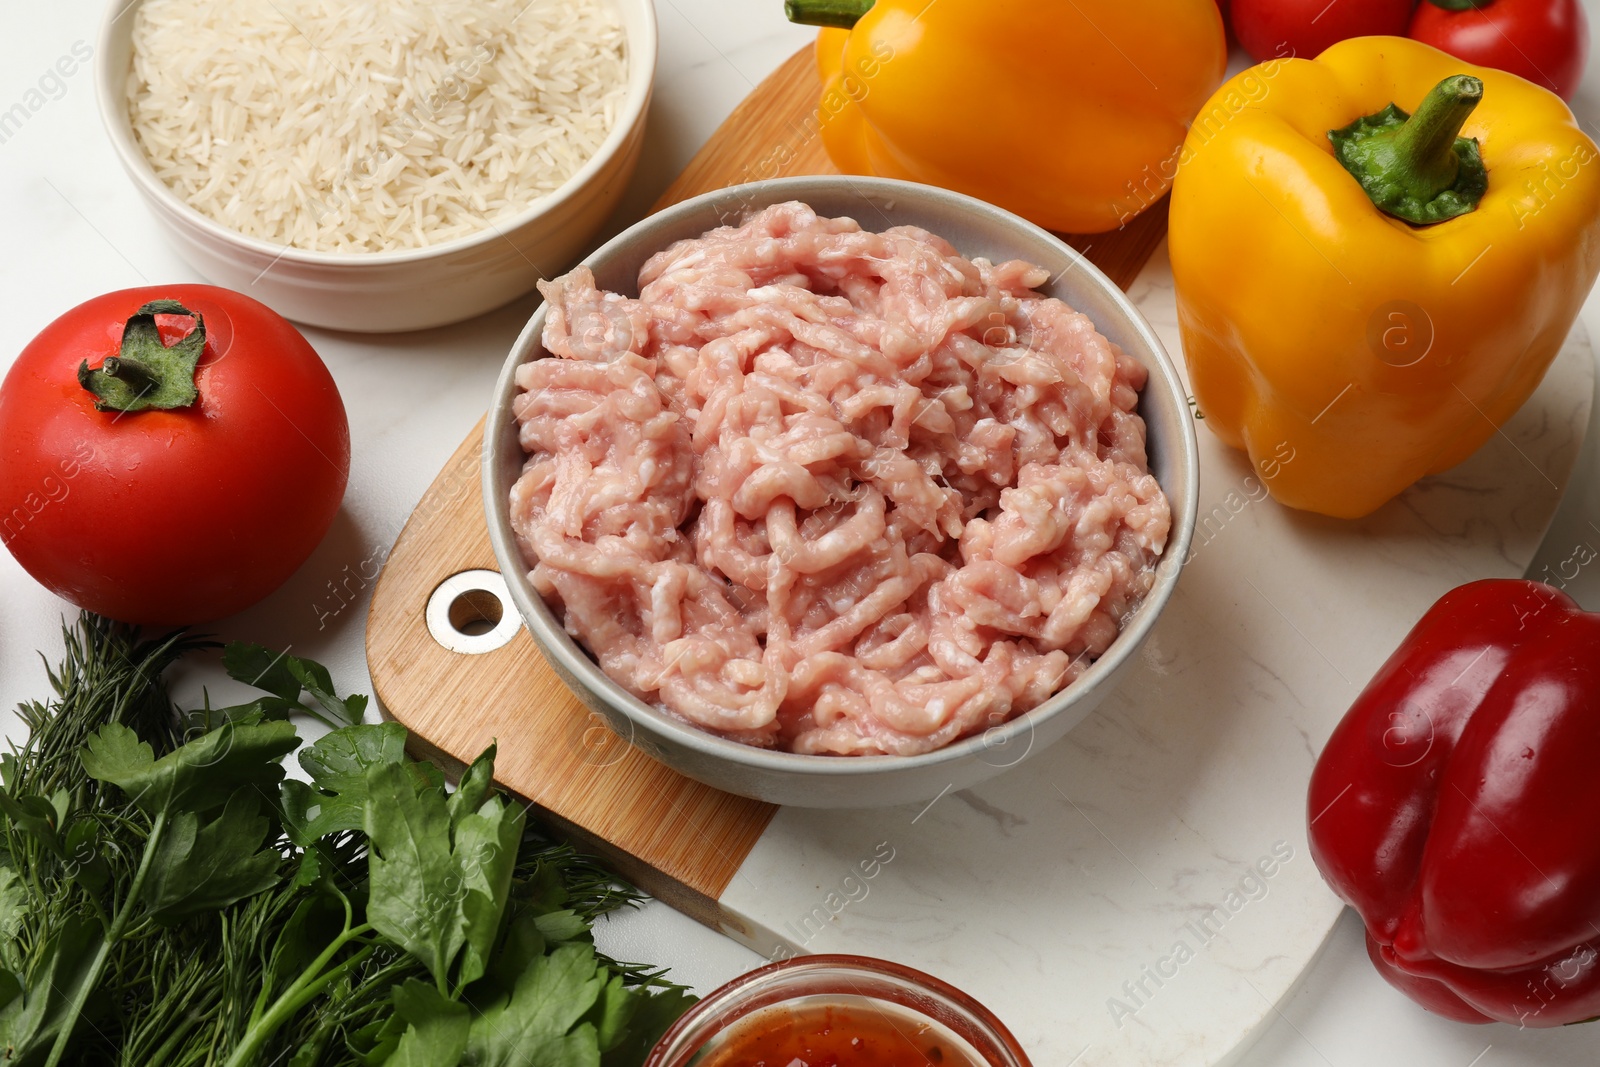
column 1139, row 893
column 677, row 839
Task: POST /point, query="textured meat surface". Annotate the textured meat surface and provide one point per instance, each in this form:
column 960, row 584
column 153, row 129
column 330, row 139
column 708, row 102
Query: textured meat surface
column 833, row 491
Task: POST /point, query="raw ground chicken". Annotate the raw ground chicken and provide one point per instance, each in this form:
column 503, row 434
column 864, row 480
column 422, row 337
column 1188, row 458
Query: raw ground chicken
column 833, row 491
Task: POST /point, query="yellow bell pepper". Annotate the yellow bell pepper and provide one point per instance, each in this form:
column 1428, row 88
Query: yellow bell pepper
column 1071, row 115
column 1368, row 344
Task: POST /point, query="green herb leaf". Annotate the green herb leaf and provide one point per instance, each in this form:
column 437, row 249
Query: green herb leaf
column 309, row 816
column 433, row 892
column 36, row 817
column 485, row 854
column 316, row 681
column 522, row 944
column 310, row 871
column 257, row 666
column 85, row 863
column 629, row 1022
column 538, row 1024
column 285, row 676
column 61, row 804
column 563, row 925
column 613, row 1012
column 475, row 787
column 649, row 1020
column 10, row 990
column 201, row 868
column 30, row 1022
column 338, row 764
column 339, row 761
column 375, row 1042
column 14, row 909
column 415, row 883
column 198, row 777
column 436, row 1027
column 262, row 709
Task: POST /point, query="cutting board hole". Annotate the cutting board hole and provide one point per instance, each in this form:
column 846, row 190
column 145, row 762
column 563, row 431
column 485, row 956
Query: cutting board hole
column 471, row 613
column 475, row 612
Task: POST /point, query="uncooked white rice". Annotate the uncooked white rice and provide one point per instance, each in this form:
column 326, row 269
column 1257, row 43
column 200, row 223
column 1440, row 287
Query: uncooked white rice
column 370, row 126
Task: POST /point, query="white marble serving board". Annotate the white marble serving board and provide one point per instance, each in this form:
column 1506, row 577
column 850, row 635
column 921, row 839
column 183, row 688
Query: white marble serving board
column 1106, row 897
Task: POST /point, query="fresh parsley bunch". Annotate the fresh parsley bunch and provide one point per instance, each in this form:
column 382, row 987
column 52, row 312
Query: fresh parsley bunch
column 168, row 897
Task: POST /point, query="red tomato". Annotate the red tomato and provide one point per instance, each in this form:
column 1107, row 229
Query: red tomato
column 1281, row 28
column 170, row 516
column 1545, row 41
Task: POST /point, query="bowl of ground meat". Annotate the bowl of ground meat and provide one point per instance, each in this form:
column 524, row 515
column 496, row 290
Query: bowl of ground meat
column 839, row 492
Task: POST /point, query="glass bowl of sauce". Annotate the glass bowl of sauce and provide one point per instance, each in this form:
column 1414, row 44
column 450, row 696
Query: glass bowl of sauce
column 838, row 1011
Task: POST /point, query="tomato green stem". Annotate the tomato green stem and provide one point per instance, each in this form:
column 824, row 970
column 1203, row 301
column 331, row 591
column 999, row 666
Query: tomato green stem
column 1461, row 5
column 841, row 13
column 146, row 373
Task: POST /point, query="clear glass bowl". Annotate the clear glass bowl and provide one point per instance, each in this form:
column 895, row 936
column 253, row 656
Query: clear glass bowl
column 963, row 1027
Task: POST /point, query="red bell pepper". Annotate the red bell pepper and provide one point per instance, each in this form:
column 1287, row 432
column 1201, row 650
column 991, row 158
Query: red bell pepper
column 1457, row 808
column 1544, row 41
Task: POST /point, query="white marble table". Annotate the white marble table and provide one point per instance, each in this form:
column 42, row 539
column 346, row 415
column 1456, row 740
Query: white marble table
column 73, row 229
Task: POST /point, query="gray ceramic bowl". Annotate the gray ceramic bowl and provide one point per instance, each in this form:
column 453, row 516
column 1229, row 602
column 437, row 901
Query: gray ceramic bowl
column 976, row 229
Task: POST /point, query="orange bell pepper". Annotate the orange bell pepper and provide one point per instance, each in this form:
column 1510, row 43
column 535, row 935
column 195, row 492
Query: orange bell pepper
column 1070, row 115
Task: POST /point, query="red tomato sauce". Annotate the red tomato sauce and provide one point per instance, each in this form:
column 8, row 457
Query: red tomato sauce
column 835, row 1037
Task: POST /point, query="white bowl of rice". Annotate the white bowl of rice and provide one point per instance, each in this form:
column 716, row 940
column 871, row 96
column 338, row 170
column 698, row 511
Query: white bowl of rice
column 378, row 167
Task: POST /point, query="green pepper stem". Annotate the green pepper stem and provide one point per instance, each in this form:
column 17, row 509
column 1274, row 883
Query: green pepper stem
column 1424, row 149
column 1417, row 167
column 843, row 14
